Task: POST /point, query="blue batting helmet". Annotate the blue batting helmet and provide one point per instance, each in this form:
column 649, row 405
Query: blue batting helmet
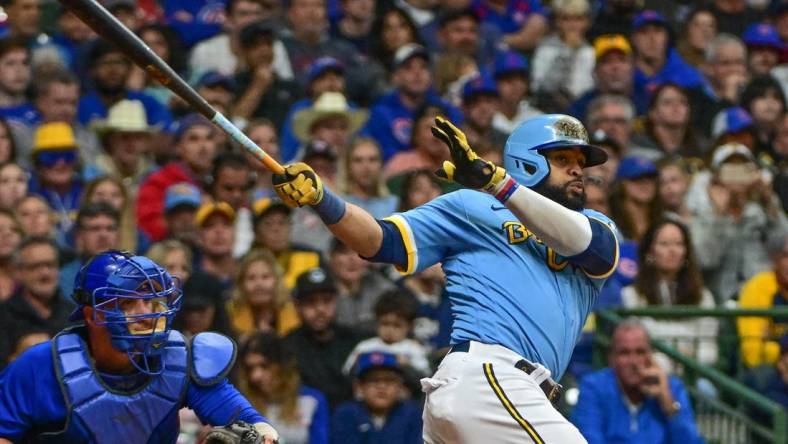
column 94, row 275
column 140, row 332
column 522, row 155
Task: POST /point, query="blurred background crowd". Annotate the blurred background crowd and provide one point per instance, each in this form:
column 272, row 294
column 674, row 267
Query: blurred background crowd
column 687, row 97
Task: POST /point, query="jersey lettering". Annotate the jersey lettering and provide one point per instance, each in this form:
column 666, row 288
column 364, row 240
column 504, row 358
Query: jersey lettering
column 517, row 233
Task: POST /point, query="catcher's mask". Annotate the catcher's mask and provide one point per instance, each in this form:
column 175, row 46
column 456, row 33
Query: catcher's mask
column 137, row 306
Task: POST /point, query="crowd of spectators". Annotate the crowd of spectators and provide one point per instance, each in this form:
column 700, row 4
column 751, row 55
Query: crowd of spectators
column 688, row 98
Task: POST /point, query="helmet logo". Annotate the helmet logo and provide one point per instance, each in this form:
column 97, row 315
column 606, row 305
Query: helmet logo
column 568, row 128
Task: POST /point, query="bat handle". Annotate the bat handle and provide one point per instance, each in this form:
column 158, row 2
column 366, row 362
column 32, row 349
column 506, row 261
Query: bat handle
column 237, row 135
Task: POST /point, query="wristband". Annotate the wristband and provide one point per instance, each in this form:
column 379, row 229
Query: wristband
column 507, row 190
column 331, row 207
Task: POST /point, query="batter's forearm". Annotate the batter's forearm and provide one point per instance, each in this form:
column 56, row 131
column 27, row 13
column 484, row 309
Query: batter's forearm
column 358, row 230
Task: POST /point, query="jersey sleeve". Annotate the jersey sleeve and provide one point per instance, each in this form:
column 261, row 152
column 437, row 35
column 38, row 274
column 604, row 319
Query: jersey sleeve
column 221, row 404
column 429, row 231
column 600, row 259
column 30, row 394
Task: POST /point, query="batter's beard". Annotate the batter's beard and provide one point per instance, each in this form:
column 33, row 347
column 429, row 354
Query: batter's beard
column 562, row 196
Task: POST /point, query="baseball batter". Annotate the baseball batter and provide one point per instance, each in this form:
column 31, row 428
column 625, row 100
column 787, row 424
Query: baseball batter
column 524, row 262
column 123, row 376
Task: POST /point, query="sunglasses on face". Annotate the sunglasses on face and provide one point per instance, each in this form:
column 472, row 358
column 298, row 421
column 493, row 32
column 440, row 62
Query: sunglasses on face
column 51, row 158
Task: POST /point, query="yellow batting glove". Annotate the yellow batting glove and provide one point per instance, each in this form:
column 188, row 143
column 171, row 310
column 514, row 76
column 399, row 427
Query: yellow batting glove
column 466, row 167
column 298, row 186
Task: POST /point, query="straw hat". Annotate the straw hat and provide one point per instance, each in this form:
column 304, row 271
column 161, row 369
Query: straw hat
column 127, row 116
column 327, row 105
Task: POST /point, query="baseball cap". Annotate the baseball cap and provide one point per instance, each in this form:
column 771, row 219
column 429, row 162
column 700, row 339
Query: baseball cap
column 762, row 34
column 724, row 152
column 375, row 360
column 648, row 17
column 611, row 42
column 212, row 79
column 314, row 280
column 56, row 136
column 510, row 61
column 201, row 290
column 319, row 148
column 635, row 167
column 731, row 120
column 777, row 243
column 480, row 84
column 253, row 33
column 600, row 137
column 208, row 209
column 265, row 205
column 323, row 65
column 451, row 14
column 407, row 52
column 181, row 194
column 777, row 8
column 188, row 122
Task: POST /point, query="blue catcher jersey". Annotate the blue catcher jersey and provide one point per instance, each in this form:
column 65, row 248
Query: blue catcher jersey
column 35, row 407
column 506, row 287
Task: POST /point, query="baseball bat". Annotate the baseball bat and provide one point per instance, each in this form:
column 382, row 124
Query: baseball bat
column 108, row 27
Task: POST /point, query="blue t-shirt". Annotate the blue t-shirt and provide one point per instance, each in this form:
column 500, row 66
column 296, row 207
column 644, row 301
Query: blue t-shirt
column 91, row 107
column 505, row 286
column 31, row 400
column 352, row 424
column 194, row 20
column 24, row 114
column 391, row 122
column 515, row 16
column 675, row 70
column 288, row 142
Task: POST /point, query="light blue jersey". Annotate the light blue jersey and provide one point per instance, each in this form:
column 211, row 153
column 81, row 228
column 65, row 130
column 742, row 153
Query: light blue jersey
column 505, row 286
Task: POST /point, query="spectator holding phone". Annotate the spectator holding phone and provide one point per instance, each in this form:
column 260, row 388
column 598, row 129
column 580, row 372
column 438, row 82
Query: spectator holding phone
column 734, row 209
column 634, row 400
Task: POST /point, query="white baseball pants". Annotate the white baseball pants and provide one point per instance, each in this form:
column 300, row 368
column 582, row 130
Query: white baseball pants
column 480, row 397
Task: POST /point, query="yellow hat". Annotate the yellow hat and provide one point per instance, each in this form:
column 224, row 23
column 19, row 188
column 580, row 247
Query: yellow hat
column 208, row 209
column 54, row 137
column 611, row 42
column 264, row 204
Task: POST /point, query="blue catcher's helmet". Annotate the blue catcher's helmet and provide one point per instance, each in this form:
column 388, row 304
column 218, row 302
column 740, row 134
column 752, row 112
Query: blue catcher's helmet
column 137, row 305
column 522, row 155
column 94, row 275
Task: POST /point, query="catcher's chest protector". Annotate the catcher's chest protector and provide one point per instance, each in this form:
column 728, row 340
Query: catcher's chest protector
column 98, row 414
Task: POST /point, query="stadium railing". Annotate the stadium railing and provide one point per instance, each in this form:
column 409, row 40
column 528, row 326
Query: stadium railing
column 726, row 410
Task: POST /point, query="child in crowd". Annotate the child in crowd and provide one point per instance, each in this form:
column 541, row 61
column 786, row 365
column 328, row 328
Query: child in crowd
column 379, row 415
column 395, row 312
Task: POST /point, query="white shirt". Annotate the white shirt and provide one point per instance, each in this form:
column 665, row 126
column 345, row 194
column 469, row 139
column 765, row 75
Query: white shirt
column 215, row 54
column 524, row 112
column 694, row 337
column 244, row 232
column 410, row 350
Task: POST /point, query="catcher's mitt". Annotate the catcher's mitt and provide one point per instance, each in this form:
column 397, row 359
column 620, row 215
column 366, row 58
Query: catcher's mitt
column 238, row 432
